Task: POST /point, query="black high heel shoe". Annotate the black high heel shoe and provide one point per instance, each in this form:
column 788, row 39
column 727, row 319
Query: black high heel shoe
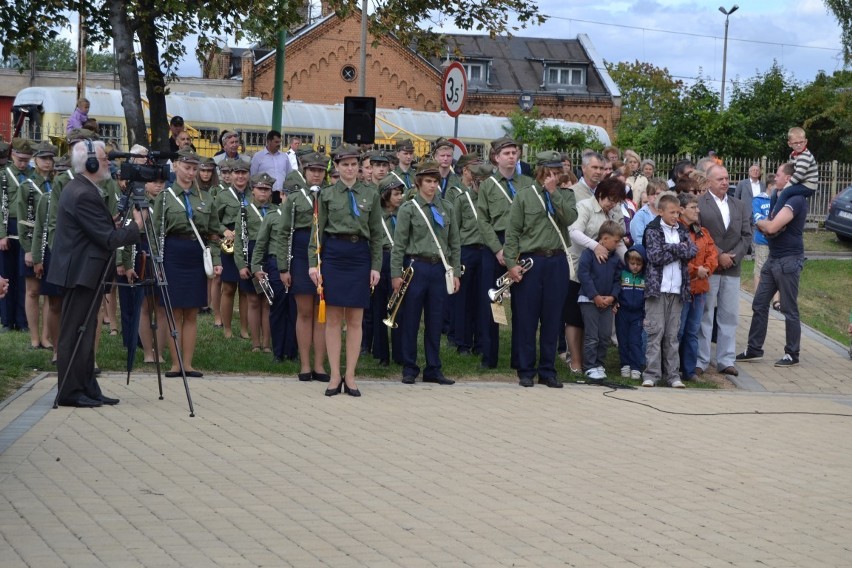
column 350, row 392
column 336, row 390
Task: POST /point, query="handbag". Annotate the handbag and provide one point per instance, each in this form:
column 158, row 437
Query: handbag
column 449, row 276
column 205, row 250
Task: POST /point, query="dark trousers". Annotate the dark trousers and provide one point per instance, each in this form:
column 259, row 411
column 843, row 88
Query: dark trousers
column 279, row 309
column 12, row 311
column 777, row 275
column 538, row 301
column 491, row 271
column 426, row 294
column 468, row 324
column 77, row 377
column 628, row 330
column 378, row 306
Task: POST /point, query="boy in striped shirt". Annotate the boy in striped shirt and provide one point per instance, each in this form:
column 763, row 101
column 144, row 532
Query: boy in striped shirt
column 805, row 179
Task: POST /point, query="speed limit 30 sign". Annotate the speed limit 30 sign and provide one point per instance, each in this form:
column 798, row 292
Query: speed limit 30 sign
column 455, row 89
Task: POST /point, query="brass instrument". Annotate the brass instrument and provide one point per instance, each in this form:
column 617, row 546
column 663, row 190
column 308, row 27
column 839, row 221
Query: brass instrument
column 395, row 300
column 263, row 284
column 227, row 246
column 504, row 282
column 462, row 271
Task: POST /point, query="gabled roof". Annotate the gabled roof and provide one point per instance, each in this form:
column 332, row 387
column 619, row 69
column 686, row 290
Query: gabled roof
column 517, row 64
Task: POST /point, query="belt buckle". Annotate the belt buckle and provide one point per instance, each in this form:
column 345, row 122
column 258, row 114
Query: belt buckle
column 548, row 253
column 434, row 259
column 353, row 238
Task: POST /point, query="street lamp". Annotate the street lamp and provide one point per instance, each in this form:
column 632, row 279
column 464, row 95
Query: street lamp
column 725, row 50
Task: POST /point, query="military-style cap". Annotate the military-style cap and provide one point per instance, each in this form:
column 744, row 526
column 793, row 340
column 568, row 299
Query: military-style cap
column 390, row 182
column 4, row 149
column 45, row 150
column 346, row 151
column 467, row 160
column 405, row 144
column 482, row 171
column 207, row 163
column 188, row 156
column 22, row 147
column 77, row 134
column 442, row 143
column 238, row 165
column 314, row 160
column 263, row 179
column 503, row 142
column 62, row 163
column 428, row 167
column 378, row 156
column 549, row 159
column 293, row 183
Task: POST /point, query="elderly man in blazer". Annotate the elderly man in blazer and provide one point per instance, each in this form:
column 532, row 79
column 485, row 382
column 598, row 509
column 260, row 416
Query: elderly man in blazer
column 750, row 187
column 728, row 221
column 85, row 239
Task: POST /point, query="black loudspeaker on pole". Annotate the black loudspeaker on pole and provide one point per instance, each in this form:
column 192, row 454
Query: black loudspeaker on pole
column 359, row 120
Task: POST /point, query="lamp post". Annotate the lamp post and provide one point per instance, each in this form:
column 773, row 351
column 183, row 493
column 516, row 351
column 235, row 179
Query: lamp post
column 725, row 49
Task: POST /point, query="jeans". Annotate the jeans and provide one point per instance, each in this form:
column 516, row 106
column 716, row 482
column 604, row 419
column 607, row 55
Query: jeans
column 778, row 275
column 690, row 324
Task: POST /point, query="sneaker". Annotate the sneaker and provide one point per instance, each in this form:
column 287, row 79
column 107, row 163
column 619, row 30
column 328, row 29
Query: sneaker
column 594, row 376
column 677, row 384
column 635, row 374
column 600, row 372
column 649, row 383
column 746, row 356
column 787, row 361
column 625, row 372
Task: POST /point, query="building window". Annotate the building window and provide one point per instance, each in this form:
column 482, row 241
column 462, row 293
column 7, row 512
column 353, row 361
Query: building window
column 348, row 73
column 566, row 76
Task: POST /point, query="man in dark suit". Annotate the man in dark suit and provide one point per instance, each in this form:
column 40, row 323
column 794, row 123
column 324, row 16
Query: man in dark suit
column 729, row 223
column 750, row 187
column 84, row 241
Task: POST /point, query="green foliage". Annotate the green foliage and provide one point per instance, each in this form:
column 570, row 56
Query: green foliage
column 530, row 128
column 825, row 111
column 842, row 10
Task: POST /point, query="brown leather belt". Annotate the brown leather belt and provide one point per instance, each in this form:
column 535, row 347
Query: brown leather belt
column 434, row 259
column 345, row 237
column 543, row 252
column 181, row 236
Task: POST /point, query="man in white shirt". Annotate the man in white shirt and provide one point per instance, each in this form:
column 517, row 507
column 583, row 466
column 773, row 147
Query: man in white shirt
column 750, row 187
column 272, row 161
column 293, row 152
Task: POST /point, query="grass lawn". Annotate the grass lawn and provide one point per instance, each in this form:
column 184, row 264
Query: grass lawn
column 234, row 356
column 825, row 241
column 824, row 298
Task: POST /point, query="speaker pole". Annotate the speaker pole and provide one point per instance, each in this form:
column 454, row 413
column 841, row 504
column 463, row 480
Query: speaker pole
column 362, row 79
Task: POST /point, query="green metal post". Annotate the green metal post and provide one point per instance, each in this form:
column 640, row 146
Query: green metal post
column 278, row 91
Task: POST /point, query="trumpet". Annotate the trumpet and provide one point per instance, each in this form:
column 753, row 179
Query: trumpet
column 263, row 286
column 395, row 300
column 504, row 282
column 227, row 246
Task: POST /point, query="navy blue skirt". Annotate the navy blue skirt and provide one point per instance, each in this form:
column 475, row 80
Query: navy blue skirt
column 247, row 286
column 184, row 266
column 301, row 283
column 29, row 271
column 229, row 269
column 46, row 288
column 346, row 273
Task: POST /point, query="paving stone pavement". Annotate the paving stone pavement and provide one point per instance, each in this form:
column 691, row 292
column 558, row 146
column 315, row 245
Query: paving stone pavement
column 272, row 473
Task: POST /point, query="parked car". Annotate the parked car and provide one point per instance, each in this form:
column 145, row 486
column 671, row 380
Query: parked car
column 839, row 217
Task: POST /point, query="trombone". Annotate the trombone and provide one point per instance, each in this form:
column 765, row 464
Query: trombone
column 504, row 282
column 395, row 300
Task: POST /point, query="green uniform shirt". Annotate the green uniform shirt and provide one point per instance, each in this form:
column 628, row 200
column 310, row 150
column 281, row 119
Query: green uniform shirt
column 569, row 210
column 335, row 216
column 465, row 212
column 446, row 184
column 529, row 229
column 10, row 181
column 255, row 213
column 29, row 194
column 47, row 209
column 389, row 220
column 412, row 236
column 170, row 216
column 268, row 241
column 406, row 178
column 299, row 206
column 495, row 200
column 227, row 206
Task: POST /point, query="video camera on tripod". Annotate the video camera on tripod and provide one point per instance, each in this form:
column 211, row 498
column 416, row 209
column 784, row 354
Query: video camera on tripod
column 137, row 175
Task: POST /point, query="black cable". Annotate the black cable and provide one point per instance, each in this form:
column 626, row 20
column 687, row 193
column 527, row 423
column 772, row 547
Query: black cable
column 616, row 388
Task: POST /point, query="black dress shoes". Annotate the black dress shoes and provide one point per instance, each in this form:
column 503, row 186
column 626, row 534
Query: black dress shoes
column 319, row 377
column 408, row 380
column 335, row 391
column 107, row 400
column 552, row 382
column 304, row 377
column 351, row 392
column 526, row 382
column 81, row 401
column 440, row 379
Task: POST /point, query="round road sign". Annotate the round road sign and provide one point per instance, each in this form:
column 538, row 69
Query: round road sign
column 455, row 89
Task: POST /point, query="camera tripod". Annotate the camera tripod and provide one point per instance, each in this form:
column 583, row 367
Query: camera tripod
column 136, row 200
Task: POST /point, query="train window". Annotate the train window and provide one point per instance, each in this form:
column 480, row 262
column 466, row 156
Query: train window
column 111, row 133
column 307, row 137
column 253, row 137
column 210, row 135
column 336, row 141
column 477, row 149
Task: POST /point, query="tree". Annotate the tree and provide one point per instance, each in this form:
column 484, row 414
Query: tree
column 530, row 128
column 162, row 26
column 646, row 92
column 842, row 10
column 824, row 109
column 690, row 123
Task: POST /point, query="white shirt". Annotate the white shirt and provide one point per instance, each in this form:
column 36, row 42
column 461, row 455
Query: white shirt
column 671, row 272
column 294, row 162
column 755, row 188
column 724, row 209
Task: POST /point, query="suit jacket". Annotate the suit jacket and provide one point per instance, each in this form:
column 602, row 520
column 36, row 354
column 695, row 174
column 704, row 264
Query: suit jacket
column 85, row 236
column 743, row 191
column 733, row 240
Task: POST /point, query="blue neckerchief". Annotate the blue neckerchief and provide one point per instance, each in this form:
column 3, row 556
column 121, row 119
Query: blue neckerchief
column 355, row 211
column 263, row 211
column 444, row 186
column 47, row 187
column 436, row 215
column 407, row 180
column 511, row 187
column 186, row 195
column 548, row 202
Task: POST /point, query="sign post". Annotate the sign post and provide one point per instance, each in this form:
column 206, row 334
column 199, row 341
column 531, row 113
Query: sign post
column 454, row 92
